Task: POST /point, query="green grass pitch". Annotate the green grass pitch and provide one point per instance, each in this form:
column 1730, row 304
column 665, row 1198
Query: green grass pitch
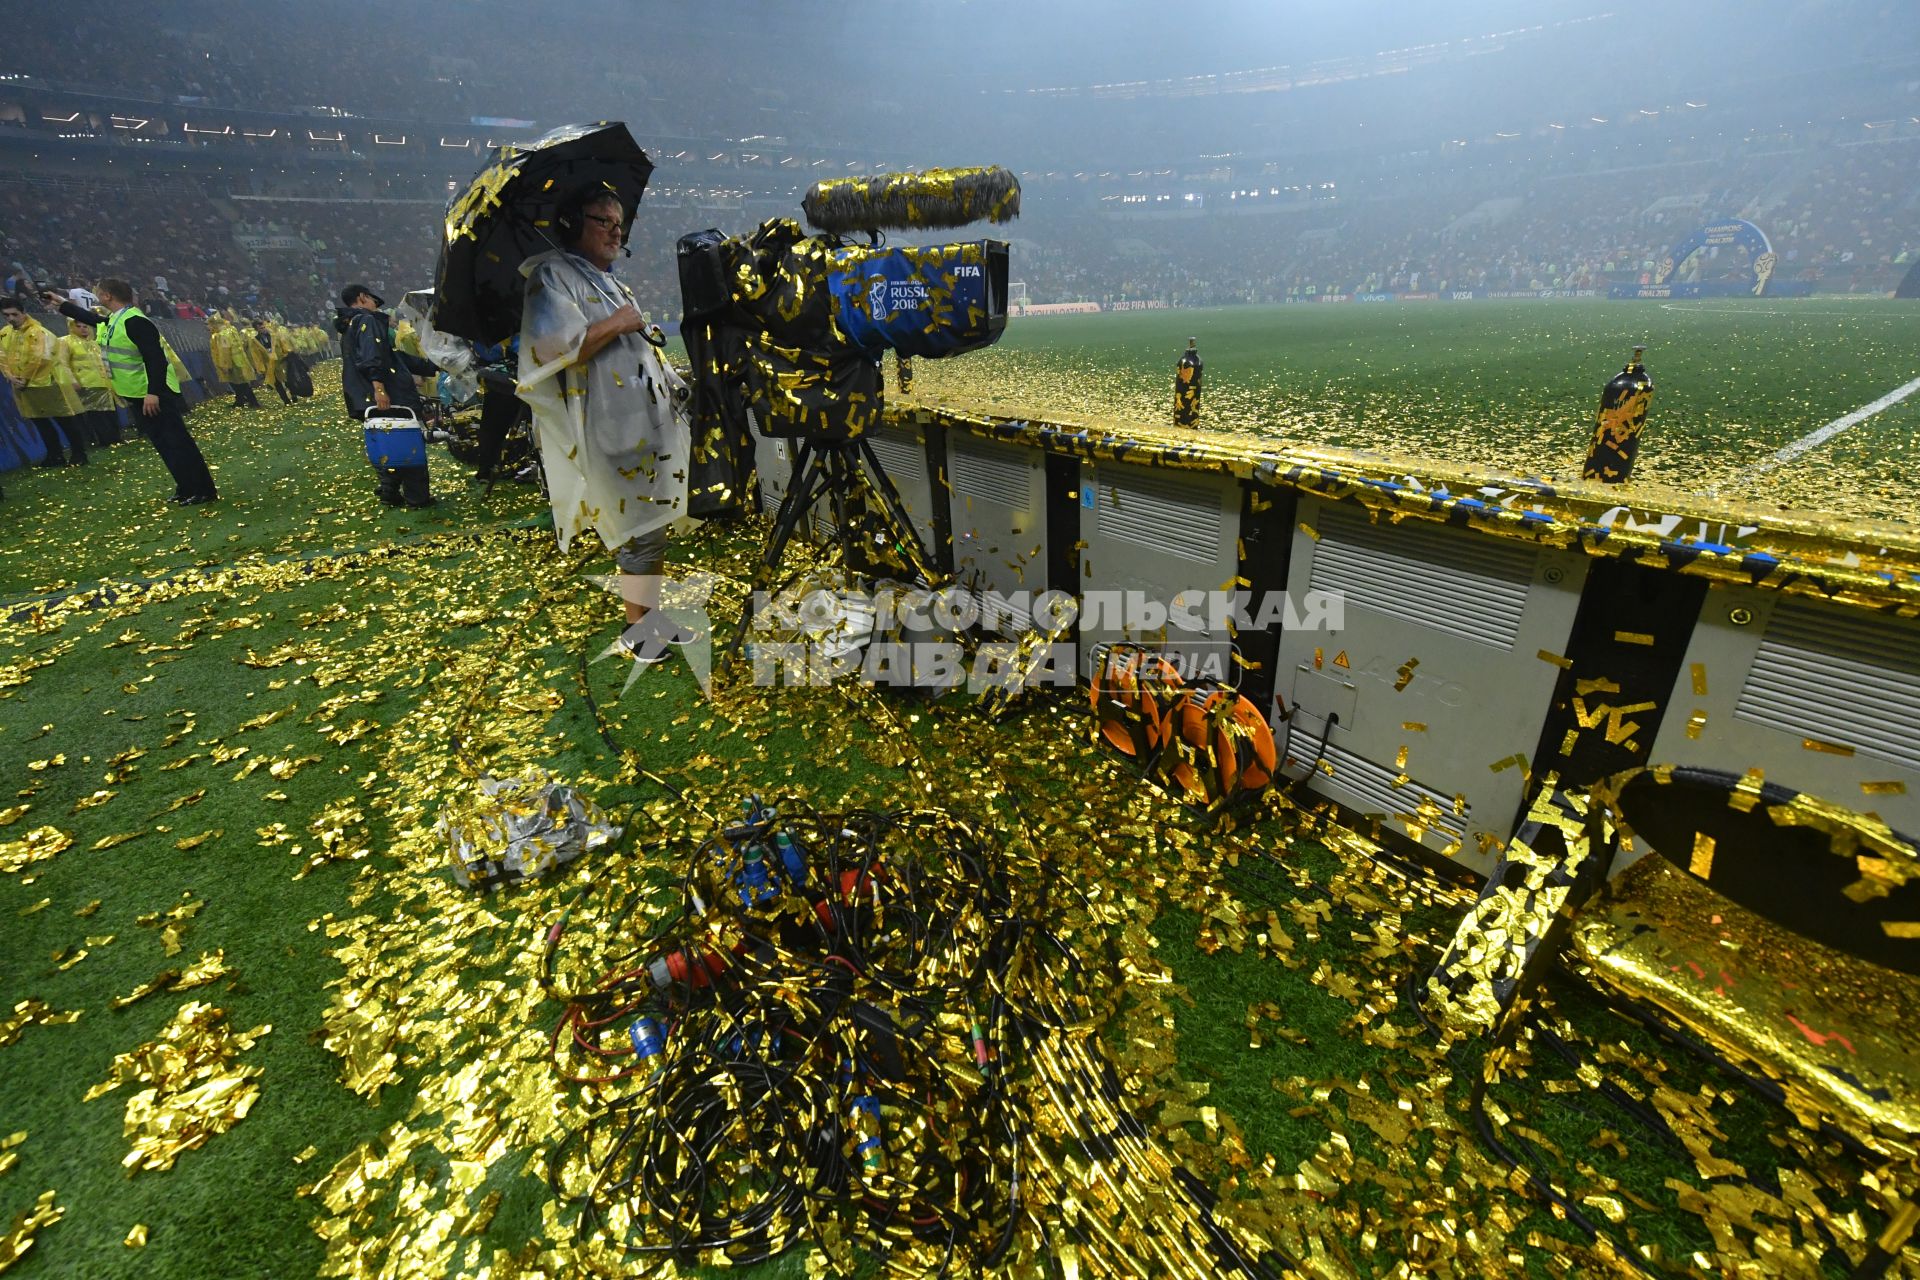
column 256, row 573
column 1511, row 385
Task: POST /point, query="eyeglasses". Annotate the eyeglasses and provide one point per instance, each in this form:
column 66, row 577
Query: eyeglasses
column 601, row 219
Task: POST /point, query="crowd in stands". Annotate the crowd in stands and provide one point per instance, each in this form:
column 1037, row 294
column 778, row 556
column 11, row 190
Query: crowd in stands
column 460, row 61
column 1844, row 217
column 166, row 237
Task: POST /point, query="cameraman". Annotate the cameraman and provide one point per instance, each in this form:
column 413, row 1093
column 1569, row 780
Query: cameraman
column 607, row 410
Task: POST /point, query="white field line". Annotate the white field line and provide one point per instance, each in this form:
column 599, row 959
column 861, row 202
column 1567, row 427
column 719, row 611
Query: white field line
column 1814, row 439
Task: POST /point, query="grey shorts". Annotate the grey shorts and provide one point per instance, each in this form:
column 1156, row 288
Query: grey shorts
column 644, row 554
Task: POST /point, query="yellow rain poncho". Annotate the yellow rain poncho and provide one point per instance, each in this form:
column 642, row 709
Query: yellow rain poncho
column 260, row 351
column 406, row 339
column 229, row 349
column 82, row 364
column 30, row 358
column 282, row 348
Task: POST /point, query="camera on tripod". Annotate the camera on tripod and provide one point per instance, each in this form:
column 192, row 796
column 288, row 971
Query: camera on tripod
column 785, row 332
column 793, row 325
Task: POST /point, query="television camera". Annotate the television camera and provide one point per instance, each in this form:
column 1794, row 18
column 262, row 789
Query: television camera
column 785, row 332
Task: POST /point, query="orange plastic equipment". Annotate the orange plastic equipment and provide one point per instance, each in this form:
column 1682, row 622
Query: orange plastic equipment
column 1133, row 696
column 1225, row 744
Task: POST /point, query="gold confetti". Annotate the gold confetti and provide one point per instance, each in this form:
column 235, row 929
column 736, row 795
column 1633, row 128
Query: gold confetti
column 13, row 814
column 1894, row 787
column 1695, row 723
column 1564, row 663
column 1699, row 670
column 162, row 981
column 27, row 1224
column 1701, row 861
column 1632, row 637
column 37, row 845
column 195, row 1088
column 136, row 1236
column 1829, row 748
column 181, row 802
column 31, row 1012
column 109, row 842
column 1904, row 929
column 194, row 842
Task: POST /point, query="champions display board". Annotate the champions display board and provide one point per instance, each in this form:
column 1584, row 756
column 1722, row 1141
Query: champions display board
column 1732, row 233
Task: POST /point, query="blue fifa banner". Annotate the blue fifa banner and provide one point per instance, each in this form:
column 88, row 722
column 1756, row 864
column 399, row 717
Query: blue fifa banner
column 926, row 300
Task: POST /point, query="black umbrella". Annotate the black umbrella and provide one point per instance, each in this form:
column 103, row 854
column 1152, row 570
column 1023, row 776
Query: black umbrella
column 507, row 214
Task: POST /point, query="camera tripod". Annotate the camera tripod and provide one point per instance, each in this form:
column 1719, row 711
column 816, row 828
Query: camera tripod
column 838, row 470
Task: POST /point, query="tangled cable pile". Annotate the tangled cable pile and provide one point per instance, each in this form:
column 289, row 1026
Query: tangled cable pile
column 850, row 1034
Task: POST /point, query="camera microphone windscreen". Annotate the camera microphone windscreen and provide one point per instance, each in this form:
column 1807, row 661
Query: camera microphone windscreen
column 908, row 201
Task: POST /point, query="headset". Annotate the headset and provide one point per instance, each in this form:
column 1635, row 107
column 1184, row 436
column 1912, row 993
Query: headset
column 572, row 213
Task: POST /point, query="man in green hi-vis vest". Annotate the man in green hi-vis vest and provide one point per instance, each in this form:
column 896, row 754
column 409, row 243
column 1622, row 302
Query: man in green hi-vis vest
column 137, row 366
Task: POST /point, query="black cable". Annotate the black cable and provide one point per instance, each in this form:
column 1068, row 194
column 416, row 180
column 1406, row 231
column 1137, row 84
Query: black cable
column 815, row 1039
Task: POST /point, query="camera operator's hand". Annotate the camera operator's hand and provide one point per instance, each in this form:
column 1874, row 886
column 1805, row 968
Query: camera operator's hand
column 628, row 320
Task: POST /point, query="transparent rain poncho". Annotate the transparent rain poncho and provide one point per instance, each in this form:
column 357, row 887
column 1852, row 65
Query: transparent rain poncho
column 453, row 356
column 613, row 435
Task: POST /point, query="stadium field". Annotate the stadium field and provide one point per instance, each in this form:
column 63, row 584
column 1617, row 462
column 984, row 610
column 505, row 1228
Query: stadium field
column 1512, row 385
column 241, row 748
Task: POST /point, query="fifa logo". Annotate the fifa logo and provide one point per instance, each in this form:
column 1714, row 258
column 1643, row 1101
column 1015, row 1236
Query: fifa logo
column 877, row 298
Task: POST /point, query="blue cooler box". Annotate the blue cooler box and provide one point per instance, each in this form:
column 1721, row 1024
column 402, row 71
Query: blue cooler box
column 394, row 441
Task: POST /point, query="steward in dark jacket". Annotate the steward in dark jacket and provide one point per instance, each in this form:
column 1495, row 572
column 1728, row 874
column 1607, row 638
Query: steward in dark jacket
column 368, row 359
column 375, row 376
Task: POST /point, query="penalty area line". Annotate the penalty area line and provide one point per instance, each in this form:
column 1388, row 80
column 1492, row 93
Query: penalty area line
column 1814, row 439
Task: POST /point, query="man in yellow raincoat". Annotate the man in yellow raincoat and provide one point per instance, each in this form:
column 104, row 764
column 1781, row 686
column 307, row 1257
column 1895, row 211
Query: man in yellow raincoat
column 29, row 356
column 82, row 363
column 232, row 364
